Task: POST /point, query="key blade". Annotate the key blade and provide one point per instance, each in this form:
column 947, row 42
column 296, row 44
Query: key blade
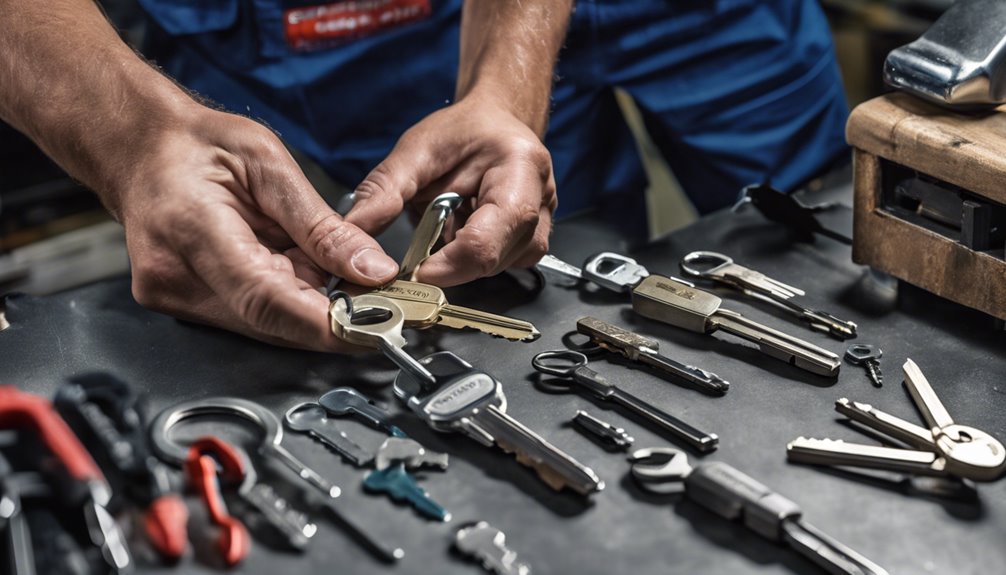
column 427, row 233
column 834, row 452
column 459, row 317
column 553, row 466
column 779, row 345
column 311, row 419
column 636, row 347
column 294, row 525
column 488, row 545
column 558, row 272
column 933, row 411
column 822, row 549
column 694, row 437
column 906, row 431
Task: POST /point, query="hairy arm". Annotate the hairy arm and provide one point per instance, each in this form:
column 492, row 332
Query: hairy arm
column 221, row 225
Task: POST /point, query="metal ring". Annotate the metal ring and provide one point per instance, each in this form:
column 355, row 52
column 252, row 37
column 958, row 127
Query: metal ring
column 719, row 259
column 166, row 421
column 576, row 360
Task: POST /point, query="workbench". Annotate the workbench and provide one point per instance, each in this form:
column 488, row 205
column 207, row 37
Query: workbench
column 99, row 328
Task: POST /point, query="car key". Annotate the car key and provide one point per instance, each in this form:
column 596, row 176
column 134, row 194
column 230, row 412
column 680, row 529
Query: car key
column 637, row 348
column 570, row 369
column 375, row 321
column 487, row 545
column 723, row 270
column 347, row 401
column 678, row 304
column 311, row 419
column 733, row 495
column 472, row 402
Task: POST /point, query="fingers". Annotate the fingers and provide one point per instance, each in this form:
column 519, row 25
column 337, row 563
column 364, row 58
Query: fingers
column 264, row 297
column 510, row 225
column 337, row 246
column 410, row 167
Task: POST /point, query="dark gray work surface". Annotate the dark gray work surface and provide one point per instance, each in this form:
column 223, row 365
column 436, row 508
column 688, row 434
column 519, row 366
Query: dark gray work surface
column 621, row 529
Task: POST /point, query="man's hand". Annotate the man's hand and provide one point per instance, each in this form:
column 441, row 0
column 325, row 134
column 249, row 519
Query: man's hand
column 223, row 228
column 486, row 147
column 489, row 157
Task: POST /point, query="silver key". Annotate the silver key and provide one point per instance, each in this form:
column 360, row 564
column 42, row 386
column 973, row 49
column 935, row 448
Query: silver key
column 487, row 544
column 637, row 348
column 427, row 233
column 759, row 286
column 734, row 495
column 970, row 452
column 409, row 452
column 311, row 419
column 558, row 272
column 472, row 402
column 614, row 271
column 684, row 306
column 347, row 401
column 374, row 321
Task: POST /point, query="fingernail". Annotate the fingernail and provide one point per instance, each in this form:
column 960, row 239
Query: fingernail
column 373, row 264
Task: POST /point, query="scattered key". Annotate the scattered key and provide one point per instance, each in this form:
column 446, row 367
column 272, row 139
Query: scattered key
column 614, row 437
column 487, row 545
column 733, row 495
column 868, row 357
column 401, row 486
column 644, row 350
column 347, row 401
column 681, row 305
column 271, row 446
column 410, row 452
column 470, row 401
column 571, row 373
column 311, row 419
column 723, row 270
column 943, row 448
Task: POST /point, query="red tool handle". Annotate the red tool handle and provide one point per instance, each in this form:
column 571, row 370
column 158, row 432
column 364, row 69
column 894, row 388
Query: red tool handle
column 165, row 524
column 212, row 461
column 20, row 410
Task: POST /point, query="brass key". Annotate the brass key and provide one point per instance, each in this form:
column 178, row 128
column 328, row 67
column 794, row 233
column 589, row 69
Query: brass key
column 426, row 305
column 684, row 306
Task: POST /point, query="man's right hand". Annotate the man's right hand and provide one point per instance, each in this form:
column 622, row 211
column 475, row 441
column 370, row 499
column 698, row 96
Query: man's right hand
column 223, row 228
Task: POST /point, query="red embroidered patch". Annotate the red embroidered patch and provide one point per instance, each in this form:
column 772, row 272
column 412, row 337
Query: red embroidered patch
column 314, row 27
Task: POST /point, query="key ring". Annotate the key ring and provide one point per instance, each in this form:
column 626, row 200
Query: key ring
column 167, row 420
column 718, row 260
column 560, row 362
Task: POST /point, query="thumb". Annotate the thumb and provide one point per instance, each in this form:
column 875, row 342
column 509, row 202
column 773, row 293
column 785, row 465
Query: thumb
column 336, row 245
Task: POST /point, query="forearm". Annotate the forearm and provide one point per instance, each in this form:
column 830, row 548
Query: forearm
column 508, row 53
column 70, row 84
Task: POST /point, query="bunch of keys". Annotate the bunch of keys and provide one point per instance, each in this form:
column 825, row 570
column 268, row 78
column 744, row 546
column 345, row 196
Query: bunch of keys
column 424, row 305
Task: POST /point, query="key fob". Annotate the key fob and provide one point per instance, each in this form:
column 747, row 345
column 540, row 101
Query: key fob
column 460, row 388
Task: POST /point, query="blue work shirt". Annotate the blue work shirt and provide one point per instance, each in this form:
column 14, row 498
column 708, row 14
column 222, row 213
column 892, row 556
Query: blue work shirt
column 731, row 91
